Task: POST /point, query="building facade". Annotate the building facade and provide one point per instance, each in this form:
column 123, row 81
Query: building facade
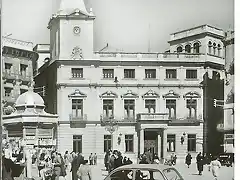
column 17, row 69
column 126, row 101
column 228, row 126
column 213, row 88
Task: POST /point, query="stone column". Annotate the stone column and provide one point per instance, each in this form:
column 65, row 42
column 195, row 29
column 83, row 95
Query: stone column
column 159, row 145
column 164, row 136
column 141, row 141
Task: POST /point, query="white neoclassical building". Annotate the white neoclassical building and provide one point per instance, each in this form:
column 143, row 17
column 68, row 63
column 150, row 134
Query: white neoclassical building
column 155, row 99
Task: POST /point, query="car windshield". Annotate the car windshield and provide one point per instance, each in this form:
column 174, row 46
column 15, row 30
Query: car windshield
column 172, row 174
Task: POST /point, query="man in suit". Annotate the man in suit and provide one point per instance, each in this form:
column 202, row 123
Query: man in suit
column 149, row 156
column 75, row 165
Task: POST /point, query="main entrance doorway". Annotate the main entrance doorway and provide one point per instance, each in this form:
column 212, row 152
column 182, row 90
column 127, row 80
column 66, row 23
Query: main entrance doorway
column 151, row 142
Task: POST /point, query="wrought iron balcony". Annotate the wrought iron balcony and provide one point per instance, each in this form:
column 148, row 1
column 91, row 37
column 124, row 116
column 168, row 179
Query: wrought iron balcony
column 129, row 119
column 24, row 77
column 152, row 116
column 107, row 119
column 77, row 118
column 104, row 118
column 9, row 75
column 10, row 99
column 186, row 121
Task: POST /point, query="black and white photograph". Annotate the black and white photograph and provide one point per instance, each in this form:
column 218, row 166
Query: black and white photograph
column 117, row 90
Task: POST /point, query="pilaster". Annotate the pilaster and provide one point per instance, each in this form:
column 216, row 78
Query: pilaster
column 164, row 133
column 141, row 141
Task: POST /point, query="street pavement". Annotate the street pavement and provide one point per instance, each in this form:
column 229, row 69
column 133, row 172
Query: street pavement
column 225, row 173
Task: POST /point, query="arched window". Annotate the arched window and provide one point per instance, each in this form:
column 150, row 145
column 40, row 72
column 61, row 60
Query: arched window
column 214, row 48
column 219, row 50
column 179, row 49
column 196, row 48
column 210, row 47
column 188, row 48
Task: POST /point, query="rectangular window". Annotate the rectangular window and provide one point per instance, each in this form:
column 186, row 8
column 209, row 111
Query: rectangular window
column 107, row 142
column 150, row 73
column 229, row 139
column 192, row 108
column 77, row 108
column 129, row 109
column 129, row 73
column 191, row 74
column 77, row 143
column 129, row 143
column 23, row 69
column 77, row 72
column 108, row 107
column 150, row 105
column 8, row 67
column 171, row 73
column 108, row 73
column 8, row 92
column 171, row 106
column 171, row 142
column 192, row 142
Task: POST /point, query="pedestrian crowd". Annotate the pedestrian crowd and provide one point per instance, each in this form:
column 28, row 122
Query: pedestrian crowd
column 212, row 162
column 114, row 159
column 52, row 164
column 70, row 164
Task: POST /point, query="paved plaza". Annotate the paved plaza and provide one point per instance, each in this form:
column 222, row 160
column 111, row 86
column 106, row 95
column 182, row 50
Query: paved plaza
column 226, row 173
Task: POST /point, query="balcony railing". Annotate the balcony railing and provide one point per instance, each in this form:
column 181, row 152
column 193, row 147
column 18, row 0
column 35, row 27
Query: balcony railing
column 120, row 119
column 10, row 99
column 9, row 75
column 187, row 121
column 78, row 118
column 24, row 77
column 153, row 116
column 182, row 57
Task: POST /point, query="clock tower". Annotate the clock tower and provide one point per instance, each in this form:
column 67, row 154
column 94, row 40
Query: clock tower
column 71, row 31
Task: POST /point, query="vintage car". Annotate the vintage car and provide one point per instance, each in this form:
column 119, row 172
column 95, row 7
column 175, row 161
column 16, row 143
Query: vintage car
column 144, row 172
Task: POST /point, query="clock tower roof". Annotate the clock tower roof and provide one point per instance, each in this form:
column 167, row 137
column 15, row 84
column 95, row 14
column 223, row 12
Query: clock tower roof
column 67, row 7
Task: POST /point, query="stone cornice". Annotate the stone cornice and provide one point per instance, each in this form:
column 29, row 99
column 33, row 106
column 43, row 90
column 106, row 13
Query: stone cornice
column 19, row 53
column 128, row 85
column 72, row 16
column 136, row 62
column 16, row 41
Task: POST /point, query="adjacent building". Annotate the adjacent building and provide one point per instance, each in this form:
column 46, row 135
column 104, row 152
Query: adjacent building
column 228, row 125
column 128, row 101
column 213, row 89
column 29, row 126
column 17, row 71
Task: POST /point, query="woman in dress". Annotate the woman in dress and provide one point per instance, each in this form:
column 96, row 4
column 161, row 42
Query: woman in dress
column 84, row 171
column 188, row 159
column 41, row 165
column 215, row 165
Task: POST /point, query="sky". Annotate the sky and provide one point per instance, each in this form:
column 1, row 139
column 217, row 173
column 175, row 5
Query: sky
column 128, row 25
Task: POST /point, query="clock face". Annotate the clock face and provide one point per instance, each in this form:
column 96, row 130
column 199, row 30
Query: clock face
column 76, row 30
